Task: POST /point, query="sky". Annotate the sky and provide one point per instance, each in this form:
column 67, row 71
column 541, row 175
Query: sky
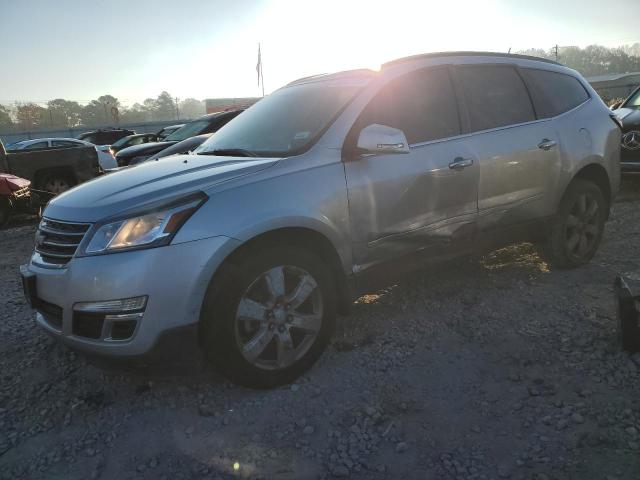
column 135, row 49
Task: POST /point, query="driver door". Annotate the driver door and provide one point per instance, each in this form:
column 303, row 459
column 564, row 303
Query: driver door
column 424, row 201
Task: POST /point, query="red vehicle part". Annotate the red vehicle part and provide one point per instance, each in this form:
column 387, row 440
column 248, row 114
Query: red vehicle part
column 15, row 193
column 10, row 183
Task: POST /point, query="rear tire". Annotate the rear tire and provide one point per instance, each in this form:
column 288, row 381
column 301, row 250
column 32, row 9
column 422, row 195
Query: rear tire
column 268, row 316
column 576, row 230
column 56, row 183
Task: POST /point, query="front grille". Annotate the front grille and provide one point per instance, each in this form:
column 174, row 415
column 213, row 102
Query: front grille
column 51, row 313
column 88, row 325
column 57, row 242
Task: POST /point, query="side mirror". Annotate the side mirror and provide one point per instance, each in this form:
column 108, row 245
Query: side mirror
column 615, row 106
column 379, row 139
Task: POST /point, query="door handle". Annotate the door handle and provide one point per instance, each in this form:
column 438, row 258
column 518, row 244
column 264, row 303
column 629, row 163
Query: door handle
column 547, row 144
column 460, row 163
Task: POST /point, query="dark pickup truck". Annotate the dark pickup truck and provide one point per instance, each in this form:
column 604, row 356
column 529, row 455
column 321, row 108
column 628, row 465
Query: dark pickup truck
column 51, row 170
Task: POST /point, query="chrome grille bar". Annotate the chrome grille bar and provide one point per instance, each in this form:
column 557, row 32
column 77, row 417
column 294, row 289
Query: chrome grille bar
column 57, row 241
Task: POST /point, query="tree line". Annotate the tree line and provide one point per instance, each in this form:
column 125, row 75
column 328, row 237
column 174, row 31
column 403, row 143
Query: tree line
column 105, row 110
column 594, row 59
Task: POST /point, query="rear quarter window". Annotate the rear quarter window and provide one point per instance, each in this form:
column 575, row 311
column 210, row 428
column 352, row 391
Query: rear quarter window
column 554, row 93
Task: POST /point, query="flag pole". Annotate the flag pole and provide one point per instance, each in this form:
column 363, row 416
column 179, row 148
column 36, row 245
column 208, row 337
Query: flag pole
column 262, row 76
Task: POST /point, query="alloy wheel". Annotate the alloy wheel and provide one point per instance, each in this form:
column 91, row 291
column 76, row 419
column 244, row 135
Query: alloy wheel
column 582, row 226
column 279, row 317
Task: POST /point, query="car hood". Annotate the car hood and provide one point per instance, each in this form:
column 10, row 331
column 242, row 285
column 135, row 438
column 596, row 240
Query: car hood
column 149, row 182
column 630, row 117
column 148, row 148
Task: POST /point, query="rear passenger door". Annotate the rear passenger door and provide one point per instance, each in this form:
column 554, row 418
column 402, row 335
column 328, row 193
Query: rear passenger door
column 517, row 153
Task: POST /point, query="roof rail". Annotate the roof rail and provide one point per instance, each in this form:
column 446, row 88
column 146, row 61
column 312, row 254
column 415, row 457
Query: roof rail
column 466, row 54
column 345, row 73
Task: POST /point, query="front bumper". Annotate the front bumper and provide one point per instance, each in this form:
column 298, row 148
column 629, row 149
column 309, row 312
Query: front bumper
column 629, row 160
column 174, row 278
column 630, row 167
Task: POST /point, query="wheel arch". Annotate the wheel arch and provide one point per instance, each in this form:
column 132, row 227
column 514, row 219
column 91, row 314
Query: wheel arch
column 310, row 239
column 597, row 174
column 302, row 236
column 42, row 174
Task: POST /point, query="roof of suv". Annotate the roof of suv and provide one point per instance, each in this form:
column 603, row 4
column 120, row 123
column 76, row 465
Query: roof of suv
column 370, row 73
column 424, row 56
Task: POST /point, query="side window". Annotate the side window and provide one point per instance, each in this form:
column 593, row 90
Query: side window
column 422, row 104
column 64, row 143
column 136, row 141
column 495, row 96
column 554, row 93
column 36, row 146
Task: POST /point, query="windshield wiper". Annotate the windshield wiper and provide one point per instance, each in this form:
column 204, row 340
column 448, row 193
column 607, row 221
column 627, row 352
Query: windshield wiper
column 232, row 152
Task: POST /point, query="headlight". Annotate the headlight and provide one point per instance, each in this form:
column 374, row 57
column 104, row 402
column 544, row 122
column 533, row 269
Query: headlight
column 153, row 228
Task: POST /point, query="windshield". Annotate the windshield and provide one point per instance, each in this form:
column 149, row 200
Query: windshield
column 286, row 122
column 634, row 101
column 190, row 129
column 121, row 142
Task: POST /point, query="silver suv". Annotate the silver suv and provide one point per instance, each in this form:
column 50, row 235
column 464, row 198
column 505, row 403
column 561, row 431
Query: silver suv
column 249, row 247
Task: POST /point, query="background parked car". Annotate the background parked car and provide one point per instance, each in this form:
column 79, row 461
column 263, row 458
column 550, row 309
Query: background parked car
column 628, row 112
column 206, row 124
column 131, row 140
column 52, row 170
column 105, row 157
column 105, row 136
column 184, row 146
column 166, row 131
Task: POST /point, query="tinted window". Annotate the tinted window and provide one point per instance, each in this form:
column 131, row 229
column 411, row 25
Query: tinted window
column 554, row 93
column 190, row 129
column 35, row 146
column 286, row 122
column 495, row 96
column 421, row 104
column 633, row 101
column 64, row 143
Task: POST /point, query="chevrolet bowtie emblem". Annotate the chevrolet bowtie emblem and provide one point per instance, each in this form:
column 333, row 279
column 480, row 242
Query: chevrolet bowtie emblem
column 631, row 140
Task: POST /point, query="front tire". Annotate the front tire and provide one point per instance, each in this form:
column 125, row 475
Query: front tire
column 268, row 316
column 576, row 231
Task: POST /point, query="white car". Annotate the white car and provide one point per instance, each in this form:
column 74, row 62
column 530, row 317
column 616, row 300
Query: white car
column 105, row 157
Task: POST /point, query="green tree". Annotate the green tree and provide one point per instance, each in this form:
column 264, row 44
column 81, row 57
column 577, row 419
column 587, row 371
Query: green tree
column 134, row 114
column 5, row 118
column 64, row 113
column 165, row 107
column 98, row 112
column 594, row 59
column 191, row 108
column 31, row 116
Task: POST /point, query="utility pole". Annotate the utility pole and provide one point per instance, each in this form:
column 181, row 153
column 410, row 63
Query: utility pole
column 556, row 50
column 177, row 109
column 106, row 116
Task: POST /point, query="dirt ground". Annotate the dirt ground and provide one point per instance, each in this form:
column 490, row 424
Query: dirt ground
column 494, row 367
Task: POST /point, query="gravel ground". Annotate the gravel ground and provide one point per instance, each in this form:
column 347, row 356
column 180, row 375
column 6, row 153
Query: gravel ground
column 494, row 367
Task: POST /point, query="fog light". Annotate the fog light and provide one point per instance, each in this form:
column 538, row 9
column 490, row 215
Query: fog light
column 118, row 306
